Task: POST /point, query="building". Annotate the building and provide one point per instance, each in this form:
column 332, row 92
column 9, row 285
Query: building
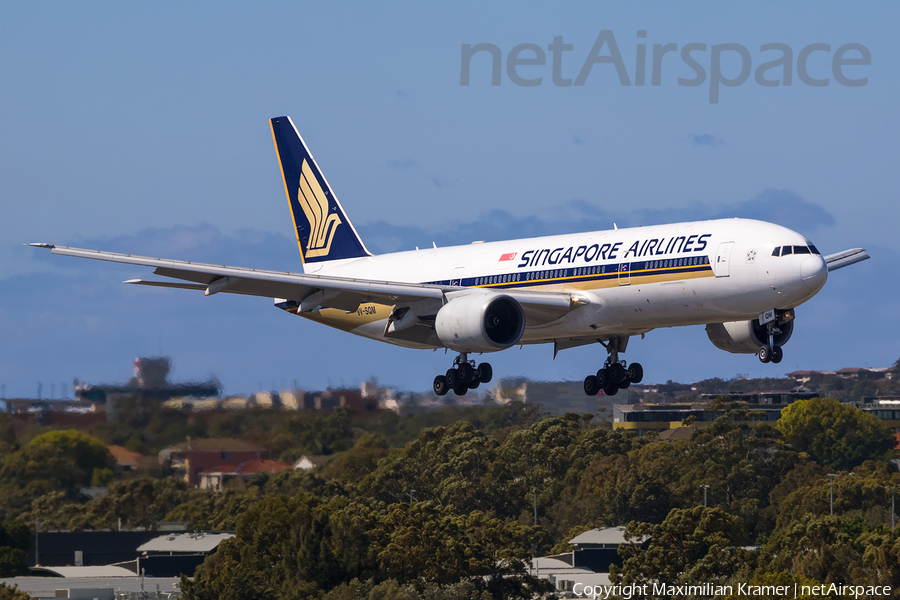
column 149, row 383
column 127, row 461
column 593, row 552
column 177, row 554
column 194, row 457
column 218, row 477
column 846, row 373
column 643, row 418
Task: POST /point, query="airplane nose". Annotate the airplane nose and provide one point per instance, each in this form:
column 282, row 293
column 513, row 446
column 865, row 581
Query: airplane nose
column 814, row 272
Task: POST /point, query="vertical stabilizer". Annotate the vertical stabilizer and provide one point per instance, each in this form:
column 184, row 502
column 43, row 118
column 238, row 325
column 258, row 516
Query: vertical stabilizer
column 323, row 230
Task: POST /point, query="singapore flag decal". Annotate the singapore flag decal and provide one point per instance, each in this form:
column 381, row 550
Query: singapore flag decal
column 508, row 256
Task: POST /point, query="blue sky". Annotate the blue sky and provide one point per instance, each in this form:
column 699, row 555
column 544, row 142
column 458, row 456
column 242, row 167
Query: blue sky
column 142, row 128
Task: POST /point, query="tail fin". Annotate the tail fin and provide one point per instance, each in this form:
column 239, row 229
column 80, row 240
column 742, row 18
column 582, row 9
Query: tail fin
column 323, row 231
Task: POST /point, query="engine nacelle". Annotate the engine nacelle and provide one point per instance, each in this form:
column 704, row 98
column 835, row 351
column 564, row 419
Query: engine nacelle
column 481, row 322
column 746, row 337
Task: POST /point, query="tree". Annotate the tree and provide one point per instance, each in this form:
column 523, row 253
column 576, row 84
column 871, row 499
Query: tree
column 14, row 545
column 13, row 593
column 692, row 546
column 834, row 434
column 880, row 560
column 823, row 548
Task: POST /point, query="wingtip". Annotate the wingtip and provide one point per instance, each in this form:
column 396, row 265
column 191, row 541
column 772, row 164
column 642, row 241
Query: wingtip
column 40, row 245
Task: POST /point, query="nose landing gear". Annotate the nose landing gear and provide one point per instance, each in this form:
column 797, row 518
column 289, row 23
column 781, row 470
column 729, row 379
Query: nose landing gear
column 462, row 376
column 614, row 375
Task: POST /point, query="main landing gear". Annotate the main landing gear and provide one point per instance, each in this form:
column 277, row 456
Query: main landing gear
column 771, row 352
column 462, row 376
column 614, row 375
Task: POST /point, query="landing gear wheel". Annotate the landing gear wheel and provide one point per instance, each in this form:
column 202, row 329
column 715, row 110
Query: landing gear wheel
column 617, row 373
column 474, row 384
column 591, row 387
column 777, row 354
column 485, row 372
column 466, row 372
column 764, row 354
column 635, row 373
column 440, row 385
column 453, row 378
column 611, row 390
column 603, row 378
column 625, row 384
column 461, row 389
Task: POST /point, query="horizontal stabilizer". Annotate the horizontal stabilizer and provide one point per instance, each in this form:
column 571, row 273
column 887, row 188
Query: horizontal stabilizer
column 845, row 258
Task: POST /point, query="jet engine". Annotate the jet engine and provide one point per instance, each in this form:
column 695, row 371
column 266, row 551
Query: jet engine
column 746, row 337
column 481, row 322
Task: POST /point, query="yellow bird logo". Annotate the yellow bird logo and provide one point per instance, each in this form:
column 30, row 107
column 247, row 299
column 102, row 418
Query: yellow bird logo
column 314, row 203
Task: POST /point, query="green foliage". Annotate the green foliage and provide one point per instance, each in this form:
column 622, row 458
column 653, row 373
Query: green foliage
column 880, row 564
column 439, row 505
column 822, row 548
column 12, row 592
column 14, row 544
column 54, row 461
column 351, row 466
column 691, row 546
column 139, row 502
column 864, row 494
column 834, row 434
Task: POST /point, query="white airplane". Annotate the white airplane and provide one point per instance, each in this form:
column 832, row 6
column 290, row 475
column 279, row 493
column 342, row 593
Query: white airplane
column 741, row 278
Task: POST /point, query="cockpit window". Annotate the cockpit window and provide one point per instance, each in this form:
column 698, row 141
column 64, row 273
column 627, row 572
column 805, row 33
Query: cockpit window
column 785, row 250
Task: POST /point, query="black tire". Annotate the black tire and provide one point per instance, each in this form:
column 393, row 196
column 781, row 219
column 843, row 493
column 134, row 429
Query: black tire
column 625, row 384
column 452, row 378
column 440, row 385
column 603, row 378
column 764, row 354
column 777, row 354
column 591, row 387
column 466, row 372
column 461, row 389
column 635, row 373
column 473, row 385
column 485, row 372
column 611, row 390
column 617, row 373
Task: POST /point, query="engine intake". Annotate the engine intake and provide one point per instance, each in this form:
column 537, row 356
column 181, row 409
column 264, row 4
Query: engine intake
column 745, row 337
column 481, row 322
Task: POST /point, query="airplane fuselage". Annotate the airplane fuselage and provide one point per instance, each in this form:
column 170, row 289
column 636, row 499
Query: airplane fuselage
column 636, row 279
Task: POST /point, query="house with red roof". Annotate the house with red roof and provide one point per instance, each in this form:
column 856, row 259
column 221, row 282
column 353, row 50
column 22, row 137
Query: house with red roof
column 216, row 477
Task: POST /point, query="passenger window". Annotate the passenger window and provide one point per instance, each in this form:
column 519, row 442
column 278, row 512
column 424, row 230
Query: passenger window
column 801, row 250
column 776, row 251
column 786, row 250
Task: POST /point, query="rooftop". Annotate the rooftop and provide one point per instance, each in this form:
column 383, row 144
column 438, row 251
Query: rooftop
column 189, row 543
column 606, row 536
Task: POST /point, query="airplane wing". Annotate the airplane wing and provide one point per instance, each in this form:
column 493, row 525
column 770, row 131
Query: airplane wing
column 846, row 258
column 311, row 291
